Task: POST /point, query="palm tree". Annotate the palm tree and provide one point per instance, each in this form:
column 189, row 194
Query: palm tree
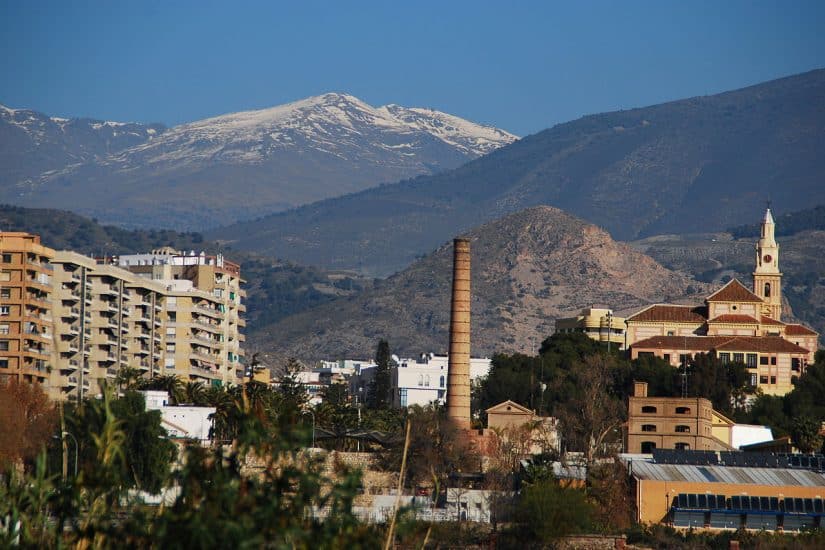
column 194, row 393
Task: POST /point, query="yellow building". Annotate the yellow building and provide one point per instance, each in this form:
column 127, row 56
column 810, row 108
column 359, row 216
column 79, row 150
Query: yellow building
column 26, row 330
column 70, row 321
column 203, row 323
column 598, row 323
column 735, row 324
column 682, row 423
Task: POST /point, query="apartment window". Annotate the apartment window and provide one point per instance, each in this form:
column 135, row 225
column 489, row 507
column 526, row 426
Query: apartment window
column 170, row 331
column 649, row 409
column 739, row 358
column 682, row 446
column 648, row 427
column 753, row 379
column 170, row 348
column 724, row 358
column 773, row 360
column 4, row 345
column 671, row 333
column 7, row 258
column 5, row 293
column 4, row 310
column 763, row 360
column 666, row 357
column 4, row 328
column 5, row 276
column 441, row 382
column 795, row 364
column 170, row 363
column 683, row 429
column 173, row 316
column 427, row 380
column 682, row 410
column 773, row 379
column 763, row 379
column 402, row 396
column 683, row 358
column 751, row 361
column 420, row 379
column 4, row 363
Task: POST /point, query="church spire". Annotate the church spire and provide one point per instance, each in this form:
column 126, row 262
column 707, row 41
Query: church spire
column 767, row 278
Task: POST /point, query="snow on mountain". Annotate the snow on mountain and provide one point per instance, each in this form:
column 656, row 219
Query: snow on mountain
column 235, row 166
column 337, row 124
column 467, row 136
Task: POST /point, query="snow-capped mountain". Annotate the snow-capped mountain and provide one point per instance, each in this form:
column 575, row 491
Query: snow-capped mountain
column 33, row 144
column 241, row 165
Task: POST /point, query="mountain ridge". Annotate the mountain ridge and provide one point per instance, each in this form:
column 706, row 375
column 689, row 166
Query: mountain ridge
column 275, row 158
column 697, row 164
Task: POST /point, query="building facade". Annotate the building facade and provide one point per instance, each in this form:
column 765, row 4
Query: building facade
column 735, row 324
column 597, row 323
column 69, row 321
column 669, row 423
column 26, row 322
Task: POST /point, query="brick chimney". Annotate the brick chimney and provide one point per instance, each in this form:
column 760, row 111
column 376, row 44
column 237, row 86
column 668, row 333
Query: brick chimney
column 458, row 369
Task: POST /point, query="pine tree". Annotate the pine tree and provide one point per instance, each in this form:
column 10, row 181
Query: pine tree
column 378, row 396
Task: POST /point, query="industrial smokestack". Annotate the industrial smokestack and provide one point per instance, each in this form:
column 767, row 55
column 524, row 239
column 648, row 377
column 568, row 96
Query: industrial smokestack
column 458, row 369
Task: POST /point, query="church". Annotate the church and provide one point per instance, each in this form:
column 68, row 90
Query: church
column 736, row 324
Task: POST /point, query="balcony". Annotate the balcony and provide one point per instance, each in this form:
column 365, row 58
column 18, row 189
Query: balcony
column 72, row 381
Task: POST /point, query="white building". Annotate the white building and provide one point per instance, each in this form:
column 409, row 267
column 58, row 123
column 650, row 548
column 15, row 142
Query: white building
column 180, row 421
column 423, row 380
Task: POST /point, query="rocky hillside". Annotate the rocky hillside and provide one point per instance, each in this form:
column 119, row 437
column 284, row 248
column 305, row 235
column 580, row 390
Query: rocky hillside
column 237, row 166
column 698, row 164
column 528, row 268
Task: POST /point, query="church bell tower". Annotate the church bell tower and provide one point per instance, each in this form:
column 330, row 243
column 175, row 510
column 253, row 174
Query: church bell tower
column 767, row 279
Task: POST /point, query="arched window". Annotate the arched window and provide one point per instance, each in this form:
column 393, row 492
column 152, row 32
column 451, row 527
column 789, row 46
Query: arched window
column 648, row 427
column 682, row 410
column 649, row 409
column 683, row 429
column 427, row 381
column 647, row 447
column 767, row 290
column 420, row 379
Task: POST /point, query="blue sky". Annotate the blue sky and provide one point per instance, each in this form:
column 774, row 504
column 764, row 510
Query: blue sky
column 523, row 66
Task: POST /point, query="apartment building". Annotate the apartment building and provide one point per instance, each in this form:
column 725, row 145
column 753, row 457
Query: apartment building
column 26, row 330
column 203, row 339
column 69, row 321
column 106, row 319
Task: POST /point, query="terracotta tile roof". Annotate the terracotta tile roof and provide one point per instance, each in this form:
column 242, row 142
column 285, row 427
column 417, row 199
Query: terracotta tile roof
column 765, row 344
column 799, row 330
column 768, row 321
column 734, row 291
column 671, row 313
column 687, row 343
column 762, row 344
column 734, row 318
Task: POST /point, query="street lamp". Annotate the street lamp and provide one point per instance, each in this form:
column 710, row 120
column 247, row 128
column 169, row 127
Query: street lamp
column 76, row 447
column 313, row 425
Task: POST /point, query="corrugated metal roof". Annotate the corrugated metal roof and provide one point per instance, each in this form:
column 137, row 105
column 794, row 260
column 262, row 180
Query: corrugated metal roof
column 726, row 474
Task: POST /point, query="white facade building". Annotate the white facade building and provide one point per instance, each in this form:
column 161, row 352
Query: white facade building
column 423, row 380
column 181, row 422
